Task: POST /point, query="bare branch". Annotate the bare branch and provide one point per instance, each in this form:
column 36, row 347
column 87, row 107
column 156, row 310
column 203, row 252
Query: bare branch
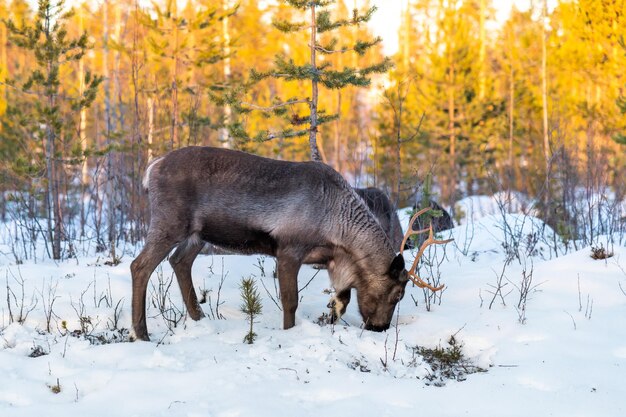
column 417, row 130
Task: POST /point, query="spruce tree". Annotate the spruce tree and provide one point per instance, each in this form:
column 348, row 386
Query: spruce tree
column 317, row 72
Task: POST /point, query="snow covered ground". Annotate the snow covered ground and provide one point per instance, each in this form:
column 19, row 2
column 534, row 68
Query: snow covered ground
column 568, row 358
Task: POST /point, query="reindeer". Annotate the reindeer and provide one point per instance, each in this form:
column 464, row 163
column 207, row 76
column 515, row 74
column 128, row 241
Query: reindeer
column 250, row 204
column 378, row 203
column 439, row 223
column 384, row 211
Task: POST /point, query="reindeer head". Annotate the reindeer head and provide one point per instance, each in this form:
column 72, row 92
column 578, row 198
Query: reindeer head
column 378, row 300
column 378, row 296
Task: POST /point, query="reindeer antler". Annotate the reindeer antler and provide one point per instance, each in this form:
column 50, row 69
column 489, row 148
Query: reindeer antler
column 429, row 241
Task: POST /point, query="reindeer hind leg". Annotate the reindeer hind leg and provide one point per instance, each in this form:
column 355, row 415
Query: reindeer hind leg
column 141, row 268
column 182, row 261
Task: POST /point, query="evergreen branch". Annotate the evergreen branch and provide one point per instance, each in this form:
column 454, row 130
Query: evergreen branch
column 256, row 76
column 350, row 76
column 363, row 18
column 290, row 133
column 621, row 103
column 38, row 94
column 288, row 27
column 619, row 138
column 264, row 136
column 330, row 46
column 306, row 4
column 360, row 47
column 299, row 4
column 325, row 24
column 288, row 70
column 327, row 118
column 275, row 106
column 21, row 90
column 339, row 79
column 328, row 50
column 383, row 66
column 79, row 102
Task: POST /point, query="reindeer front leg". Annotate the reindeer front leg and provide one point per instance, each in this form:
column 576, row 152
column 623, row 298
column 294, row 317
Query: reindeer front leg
column 288, row 268
column 338, row 305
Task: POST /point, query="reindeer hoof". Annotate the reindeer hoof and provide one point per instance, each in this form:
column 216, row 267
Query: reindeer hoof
column 197, row 314
column 134, row 336
column 337, row 309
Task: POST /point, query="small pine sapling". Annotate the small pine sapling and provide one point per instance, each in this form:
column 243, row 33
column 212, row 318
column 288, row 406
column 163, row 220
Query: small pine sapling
column 251, row 305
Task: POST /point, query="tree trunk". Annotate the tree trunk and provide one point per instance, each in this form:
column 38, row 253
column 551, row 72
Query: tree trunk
column 54, row 200
column 55, row 216
column 338, row 134
column 481, row 53
column 174, row 128
column 150, row 125
column 119, row 167
column 406, row 32
column 398, row 123
column 82, row 131
column 4, row 67
column 451, row 133
column 4, row 73
column 544, row 84
column 510, row 179
column 136, row 140
column 225, row 138
column 315, row 153
column 82, row 125
column 53, row 187
column 110, row 188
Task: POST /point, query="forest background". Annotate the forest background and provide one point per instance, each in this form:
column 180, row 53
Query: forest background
column 532, row 106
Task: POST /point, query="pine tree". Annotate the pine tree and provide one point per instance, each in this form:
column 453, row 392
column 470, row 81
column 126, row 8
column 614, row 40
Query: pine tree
column 48, row 42
column 243, row 55
column 400, row 137
column 183, row 48
column 251, row 305
column 317, row 72
column 454, row 88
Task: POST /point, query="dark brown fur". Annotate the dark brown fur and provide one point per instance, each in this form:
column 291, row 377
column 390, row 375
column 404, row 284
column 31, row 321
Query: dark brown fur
column 440, row 224
column 381, row 207
column 249, row 204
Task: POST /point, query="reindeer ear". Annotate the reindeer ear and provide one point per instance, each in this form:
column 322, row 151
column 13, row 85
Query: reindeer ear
column 397, row 266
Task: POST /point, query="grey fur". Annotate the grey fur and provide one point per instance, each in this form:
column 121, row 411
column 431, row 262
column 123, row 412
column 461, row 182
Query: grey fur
column 295, row 211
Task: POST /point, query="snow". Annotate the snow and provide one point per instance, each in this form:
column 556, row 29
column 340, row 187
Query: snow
column 568, row 358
